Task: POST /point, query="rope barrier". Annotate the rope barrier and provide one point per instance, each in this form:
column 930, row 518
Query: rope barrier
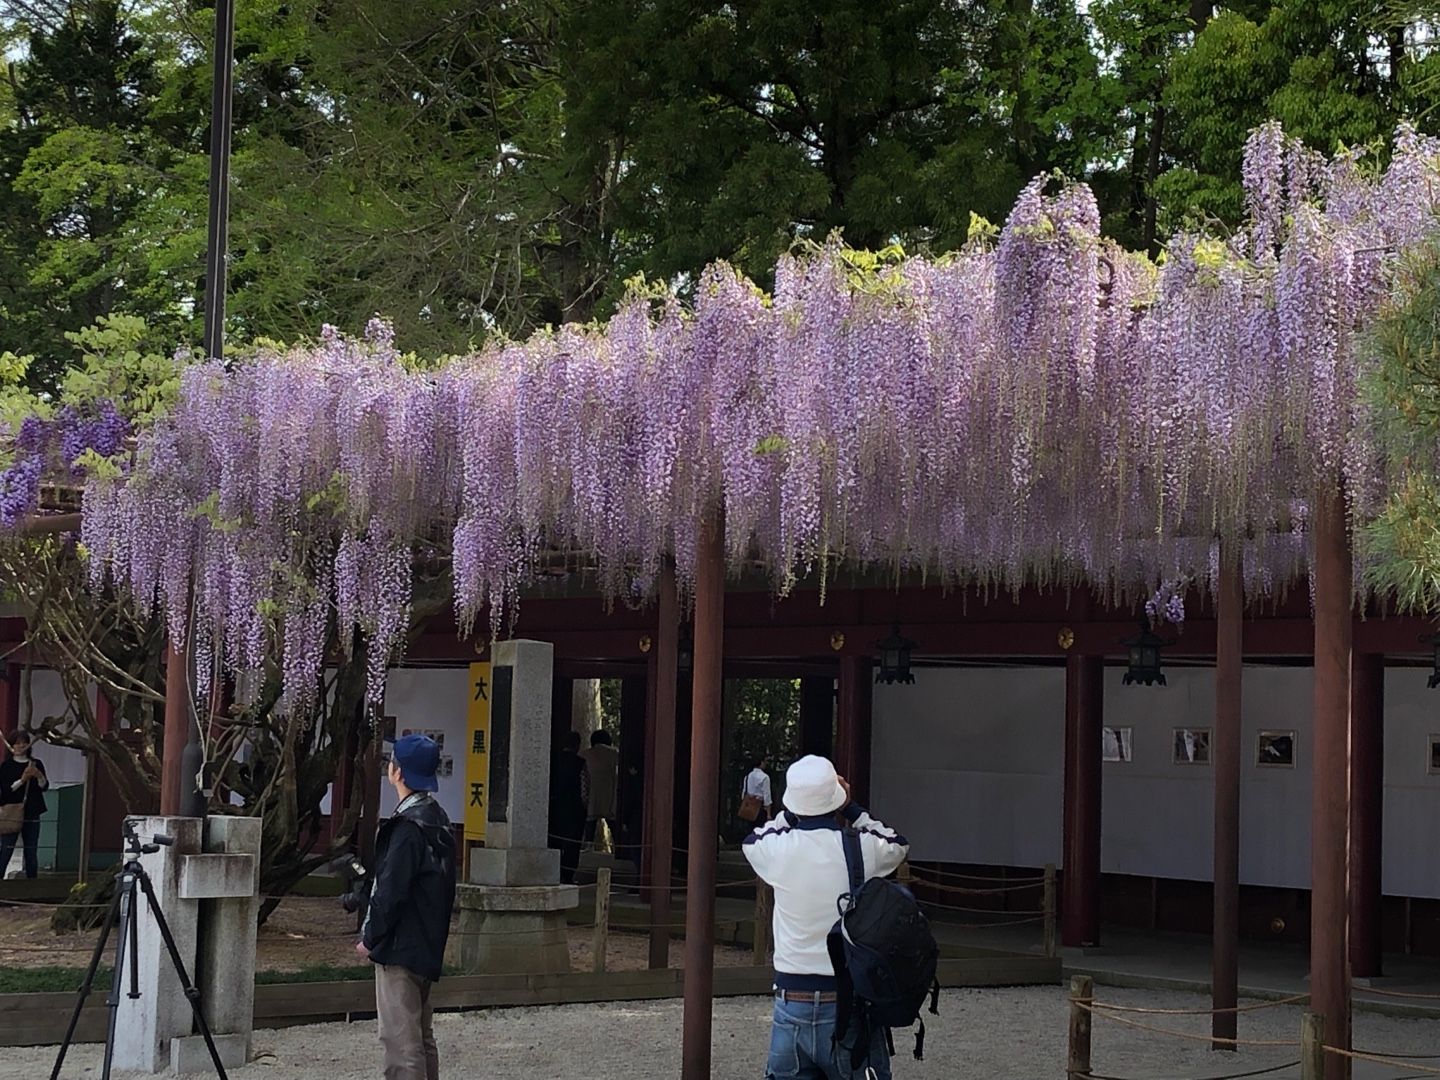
column 955, row 875
column 1295, row 1000
column 1226, row 1076
column 1290, row 1043
column 1413, row 995
column 992, row 890
column 1378, row 1059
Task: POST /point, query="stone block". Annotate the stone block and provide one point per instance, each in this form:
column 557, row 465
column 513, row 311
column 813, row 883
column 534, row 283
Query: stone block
column 513, row 931
column 514, row 866
column 520, row 744
column 226, row 946
column 190, row 1055
column 523, row 900
column 216, row 877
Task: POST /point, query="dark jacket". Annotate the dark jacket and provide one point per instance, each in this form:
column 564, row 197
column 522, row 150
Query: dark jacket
column 567, row 794
column 408, row 921
column 33, row 794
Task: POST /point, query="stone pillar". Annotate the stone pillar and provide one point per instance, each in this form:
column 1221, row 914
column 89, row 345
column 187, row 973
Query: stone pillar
column 207, row 888
column 512, row 912
column 225, row 880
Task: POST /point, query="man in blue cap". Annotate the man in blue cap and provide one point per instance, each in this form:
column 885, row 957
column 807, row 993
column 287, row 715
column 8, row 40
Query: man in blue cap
column 408, row 919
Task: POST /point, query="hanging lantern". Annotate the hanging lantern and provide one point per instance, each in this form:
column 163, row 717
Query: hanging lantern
column 685, row 651
column 895, row 659
column 1433, row 640
column 1145, row 657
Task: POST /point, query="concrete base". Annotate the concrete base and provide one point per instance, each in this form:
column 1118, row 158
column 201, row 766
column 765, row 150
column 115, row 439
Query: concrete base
column 190, row 1054
column 514, row 866
column 512, row 931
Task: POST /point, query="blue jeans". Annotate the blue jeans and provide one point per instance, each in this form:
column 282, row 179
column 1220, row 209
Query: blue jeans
column 30, row 839
column 802, row 1048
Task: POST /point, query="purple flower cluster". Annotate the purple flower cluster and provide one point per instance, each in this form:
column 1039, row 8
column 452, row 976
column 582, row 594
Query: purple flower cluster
column 1167, row 604
column 73, row 432
column 1049, row 410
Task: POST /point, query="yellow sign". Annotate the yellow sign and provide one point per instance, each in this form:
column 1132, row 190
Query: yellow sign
column 477, row 751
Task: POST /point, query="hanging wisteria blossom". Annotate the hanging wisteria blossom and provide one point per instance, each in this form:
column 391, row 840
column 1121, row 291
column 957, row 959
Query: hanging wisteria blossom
column 1047, row 409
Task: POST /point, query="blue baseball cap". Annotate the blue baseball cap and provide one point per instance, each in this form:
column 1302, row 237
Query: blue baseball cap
column 418, row 757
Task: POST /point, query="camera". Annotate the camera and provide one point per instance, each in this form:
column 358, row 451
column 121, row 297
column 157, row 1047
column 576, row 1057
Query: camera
column 357, row 882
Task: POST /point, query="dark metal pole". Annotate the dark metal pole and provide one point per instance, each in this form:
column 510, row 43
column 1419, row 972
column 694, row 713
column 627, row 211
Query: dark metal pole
column 662, row 770
column 1225, row 943
column 1367, row 803
column 217, row 249
column 178, row 795
column 704, row 799
column 1330, row 798
column 1084, row 717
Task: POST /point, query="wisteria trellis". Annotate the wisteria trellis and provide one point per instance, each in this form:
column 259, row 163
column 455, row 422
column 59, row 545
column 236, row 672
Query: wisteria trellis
column 1047, row 409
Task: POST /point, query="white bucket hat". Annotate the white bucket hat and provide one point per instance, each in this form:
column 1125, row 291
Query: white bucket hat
column 812, row 788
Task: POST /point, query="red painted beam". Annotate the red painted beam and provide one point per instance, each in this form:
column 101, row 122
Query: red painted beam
column 702, row 863
column 1330, row 799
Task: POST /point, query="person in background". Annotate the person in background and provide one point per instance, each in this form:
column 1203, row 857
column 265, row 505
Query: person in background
column 407, row 921
column 801, row 855
column 569, row 798
column 602, row 772
column 23, row 781
column 757, row 785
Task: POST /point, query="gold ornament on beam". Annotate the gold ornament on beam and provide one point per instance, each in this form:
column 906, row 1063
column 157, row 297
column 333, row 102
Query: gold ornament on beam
column 837, row 641
column 1066, row 637
column 645, row 643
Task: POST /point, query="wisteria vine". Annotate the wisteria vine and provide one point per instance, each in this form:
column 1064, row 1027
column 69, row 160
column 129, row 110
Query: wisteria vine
column 1046, row 409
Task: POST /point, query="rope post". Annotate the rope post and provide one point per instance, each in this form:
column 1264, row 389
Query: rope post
column 764, row 899
column 1082, row 996
column 602, row 917
column 1312, row 1046
column 1049, row 906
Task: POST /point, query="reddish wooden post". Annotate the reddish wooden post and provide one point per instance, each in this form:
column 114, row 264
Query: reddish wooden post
column 1333, row 576
column 177, row 732
column 1084, row 716
column 1367, row 802
column 855, row 722
column 1225, row 943
column 10, row 700
column 662, row 770
column 704, row 799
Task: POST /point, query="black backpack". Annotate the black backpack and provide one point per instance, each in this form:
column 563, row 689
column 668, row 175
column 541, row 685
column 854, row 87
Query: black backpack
column 885, row 959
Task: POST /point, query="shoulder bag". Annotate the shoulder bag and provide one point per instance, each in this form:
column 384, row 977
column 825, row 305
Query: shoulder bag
column 12, row 815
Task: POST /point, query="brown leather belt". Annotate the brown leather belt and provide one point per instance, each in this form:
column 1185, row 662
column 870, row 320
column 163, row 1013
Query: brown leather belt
column 806, row 997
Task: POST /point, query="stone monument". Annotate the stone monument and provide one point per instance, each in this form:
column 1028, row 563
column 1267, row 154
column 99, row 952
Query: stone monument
column 207, row 884
column 513, row 909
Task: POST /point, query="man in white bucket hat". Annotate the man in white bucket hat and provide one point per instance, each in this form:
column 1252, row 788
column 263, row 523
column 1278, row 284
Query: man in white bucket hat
column 800, row 855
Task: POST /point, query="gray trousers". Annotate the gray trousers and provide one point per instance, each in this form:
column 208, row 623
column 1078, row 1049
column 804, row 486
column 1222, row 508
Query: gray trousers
column 402, row 1003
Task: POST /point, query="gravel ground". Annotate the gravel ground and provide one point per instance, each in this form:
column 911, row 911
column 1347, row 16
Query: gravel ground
column 1014, row 1034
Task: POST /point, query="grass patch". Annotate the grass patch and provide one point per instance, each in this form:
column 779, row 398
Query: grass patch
column 317, row 973
column 50, row 980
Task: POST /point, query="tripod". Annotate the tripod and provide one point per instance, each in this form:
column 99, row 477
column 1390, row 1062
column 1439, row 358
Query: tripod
column 123, row 913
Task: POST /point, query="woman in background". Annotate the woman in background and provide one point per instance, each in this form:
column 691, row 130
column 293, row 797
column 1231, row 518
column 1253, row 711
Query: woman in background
column 23, row 780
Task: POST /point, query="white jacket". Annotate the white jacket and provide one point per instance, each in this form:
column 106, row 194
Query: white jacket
column 803, row 860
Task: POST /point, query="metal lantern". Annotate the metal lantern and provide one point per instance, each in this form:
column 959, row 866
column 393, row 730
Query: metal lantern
column 1145, row 657
column 895, row 659
column 1433, row 640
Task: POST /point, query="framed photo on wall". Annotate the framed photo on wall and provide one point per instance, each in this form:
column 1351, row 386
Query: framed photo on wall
column 1434, row 763
column 1275, row 750
column 1191, row 746
column 1117, row 744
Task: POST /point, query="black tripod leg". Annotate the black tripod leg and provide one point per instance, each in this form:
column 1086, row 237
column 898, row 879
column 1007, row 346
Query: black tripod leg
column 190, row 990
column 111, row 918
column 128, row 930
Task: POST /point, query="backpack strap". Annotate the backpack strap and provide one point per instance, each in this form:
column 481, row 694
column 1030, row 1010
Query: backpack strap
column 854, row 858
